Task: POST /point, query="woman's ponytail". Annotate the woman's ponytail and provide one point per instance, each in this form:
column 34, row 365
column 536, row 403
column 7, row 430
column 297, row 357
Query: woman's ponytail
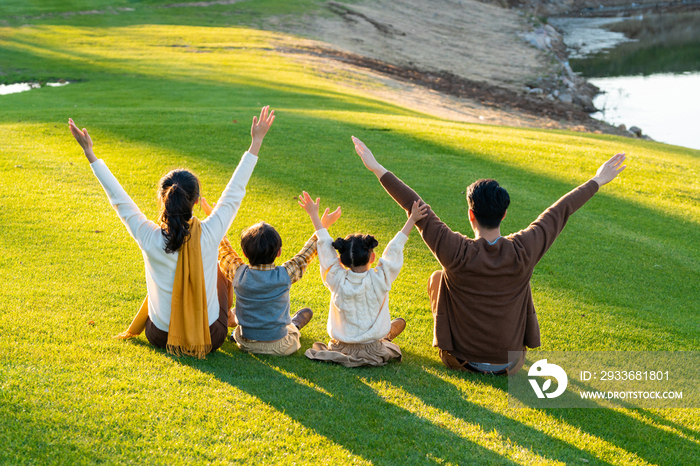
column 178, row 193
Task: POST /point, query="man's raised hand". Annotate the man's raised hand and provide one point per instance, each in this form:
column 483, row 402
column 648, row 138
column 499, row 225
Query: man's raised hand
column 368, row 158
column 610, row 169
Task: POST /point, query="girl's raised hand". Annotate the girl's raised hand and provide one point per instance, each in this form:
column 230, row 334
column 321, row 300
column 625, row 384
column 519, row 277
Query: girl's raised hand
column 83, row 139
column 418, row 210
column 329, row 219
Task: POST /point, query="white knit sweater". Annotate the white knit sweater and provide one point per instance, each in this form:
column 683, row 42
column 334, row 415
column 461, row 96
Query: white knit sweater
column 160, row 266
column 359, row 309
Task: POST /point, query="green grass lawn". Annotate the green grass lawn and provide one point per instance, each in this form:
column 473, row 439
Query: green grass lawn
column 159, row 91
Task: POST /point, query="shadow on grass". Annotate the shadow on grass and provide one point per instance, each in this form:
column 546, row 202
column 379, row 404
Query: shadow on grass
column 599, row 422
column 28, row 438
column 340, row 404
column 334, row 403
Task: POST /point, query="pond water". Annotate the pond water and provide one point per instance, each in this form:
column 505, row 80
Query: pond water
column 22, row 87
column 648, row 68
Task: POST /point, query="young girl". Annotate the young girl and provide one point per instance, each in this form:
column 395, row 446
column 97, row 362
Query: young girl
column 186, row 310
column 359, row 323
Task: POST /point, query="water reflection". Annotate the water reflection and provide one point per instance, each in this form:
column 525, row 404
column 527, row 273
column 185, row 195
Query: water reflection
column 22, row 87
column 587, row 36
column 667, row 43
column 648, row 68
column 665, row 106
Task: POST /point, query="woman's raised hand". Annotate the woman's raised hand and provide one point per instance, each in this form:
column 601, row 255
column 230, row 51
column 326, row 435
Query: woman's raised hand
column 260, row 127
column 83, row 139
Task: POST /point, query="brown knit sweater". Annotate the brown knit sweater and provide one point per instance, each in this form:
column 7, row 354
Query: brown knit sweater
column 484, row 307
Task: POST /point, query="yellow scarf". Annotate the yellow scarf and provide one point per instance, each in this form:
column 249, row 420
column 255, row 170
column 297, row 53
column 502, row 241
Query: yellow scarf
column 189, row 322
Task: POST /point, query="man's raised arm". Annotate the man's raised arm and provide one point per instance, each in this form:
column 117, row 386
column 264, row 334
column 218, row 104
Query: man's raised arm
column 541, row 233
column 444, row 243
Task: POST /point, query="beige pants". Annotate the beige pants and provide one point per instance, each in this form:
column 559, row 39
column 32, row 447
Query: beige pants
column 282, row 347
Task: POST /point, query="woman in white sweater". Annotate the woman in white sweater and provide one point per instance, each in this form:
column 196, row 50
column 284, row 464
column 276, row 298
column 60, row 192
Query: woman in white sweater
column 359, row 321
column 161, row 242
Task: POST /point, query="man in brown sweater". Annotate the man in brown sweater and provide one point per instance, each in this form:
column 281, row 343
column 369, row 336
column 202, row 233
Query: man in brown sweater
column 481, row 299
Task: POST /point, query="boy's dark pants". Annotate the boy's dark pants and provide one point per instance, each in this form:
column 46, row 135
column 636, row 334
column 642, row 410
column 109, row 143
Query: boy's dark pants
column 218, row 330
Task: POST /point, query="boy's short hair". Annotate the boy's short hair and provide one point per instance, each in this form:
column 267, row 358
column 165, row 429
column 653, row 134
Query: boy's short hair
column 489, row 202
column 261, row 243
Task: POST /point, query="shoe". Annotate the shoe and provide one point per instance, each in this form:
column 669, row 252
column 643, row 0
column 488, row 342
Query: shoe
column 302, row 317
column 397, row 326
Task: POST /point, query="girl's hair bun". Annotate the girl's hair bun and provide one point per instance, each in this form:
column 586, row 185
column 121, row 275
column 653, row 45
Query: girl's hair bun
column 355, row 250
column 369, row 243
column 340, row 245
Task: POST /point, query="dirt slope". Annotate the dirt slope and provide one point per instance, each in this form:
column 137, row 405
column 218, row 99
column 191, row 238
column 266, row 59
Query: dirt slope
column 457, row 59
column 467, row 38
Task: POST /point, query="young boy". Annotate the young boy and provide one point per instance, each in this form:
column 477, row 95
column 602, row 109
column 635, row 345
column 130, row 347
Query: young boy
column 261, row 316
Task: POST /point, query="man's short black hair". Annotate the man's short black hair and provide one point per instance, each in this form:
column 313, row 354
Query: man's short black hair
column 261, row 243
column 489, row 201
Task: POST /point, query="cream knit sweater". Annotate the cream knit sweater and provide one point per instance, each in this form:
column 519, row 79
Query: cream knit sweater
column 359, row 309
